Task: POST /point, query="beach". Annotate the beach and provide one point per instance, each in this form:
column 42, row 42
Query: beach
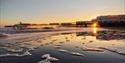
column 67, row 46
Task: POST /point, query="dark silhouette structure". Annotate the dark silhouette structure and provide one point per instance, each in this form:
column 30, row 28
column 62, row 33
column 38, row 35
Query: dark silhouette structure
column 111, row 21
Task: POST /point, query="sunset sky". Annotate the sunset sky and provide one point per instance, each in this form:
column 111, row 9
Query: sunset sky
column 45, row 11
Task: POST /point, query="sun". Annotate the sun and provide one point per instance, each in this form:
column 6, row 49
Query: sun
column 94, row 24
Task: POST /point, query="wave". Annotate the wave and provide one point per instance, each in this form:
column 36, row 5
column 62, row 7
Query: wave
column 48, row 58
column 76, row 53
column 16, row 54
column 72, row 53
column 12, row 50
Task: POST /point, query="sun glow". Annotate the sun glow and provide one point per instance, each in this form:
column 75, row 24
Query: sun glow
column 94, row 25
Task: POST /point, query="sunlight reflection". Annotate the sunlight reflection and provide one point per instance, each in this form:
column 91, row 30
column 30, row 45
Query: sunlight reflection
column 94, row 30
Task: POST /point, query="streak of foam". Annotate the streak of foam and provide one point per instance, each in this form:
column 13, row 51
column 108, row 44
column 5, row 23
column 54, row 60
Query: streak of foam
column 48, row 59
column 15, row 54
column 72, row 53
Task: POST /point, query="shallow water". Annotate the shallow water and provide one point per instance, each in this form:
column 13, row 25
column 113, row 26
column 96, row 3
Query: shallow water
column 90, row 45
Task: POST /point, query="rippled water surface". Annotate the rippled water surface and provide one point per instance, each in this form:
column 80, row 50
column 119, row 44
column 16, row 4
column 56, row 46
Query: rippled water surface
column 90, row 45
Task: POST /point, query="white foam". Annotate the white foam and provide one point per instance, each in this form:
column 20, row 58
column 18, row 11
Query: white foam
column 15, row 54
column 48, row 58
column 44, row 61
column 76, row 53
column 4, row 55
column 92, row 49
column 62, row 50
column 13, row 50
column 27, row 53
column 72, row 53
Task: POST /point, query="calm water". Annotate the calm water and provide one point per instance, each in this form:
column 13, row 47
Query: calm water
column 90, row 45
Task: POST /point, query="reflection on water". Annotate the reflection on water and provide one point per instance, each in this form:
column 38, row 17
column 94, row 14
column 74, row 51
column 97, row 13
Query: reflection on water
column 94, row 30
column 110, row 35
column 93, row 45
column 103, row 34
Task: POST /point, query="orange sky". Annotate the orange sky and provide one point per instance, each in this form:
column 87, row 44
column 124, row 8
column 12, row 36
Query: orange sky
column 48, row 11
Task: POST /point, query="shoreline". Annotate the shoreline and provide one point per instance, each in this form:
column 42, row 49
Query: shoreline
column 57, row 30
